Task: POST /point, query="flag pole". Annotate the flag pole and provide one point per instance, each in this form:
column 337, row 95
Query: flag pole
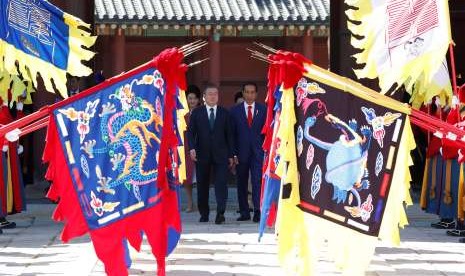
column 26, row 120
column 41, row 123
column 452, row 65
column 454, row 78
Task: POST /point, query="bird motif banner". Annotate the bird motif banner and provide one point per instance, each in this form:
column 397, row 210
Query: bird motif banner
column 402, row 42
column 113, row 154
column 346, row 155
column 343, row 167
column 37, row 37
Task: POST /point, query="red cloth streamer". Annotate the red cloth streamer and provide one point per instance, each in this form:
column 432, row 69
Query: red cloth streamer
column 435, row 143
column 449, row 147
column 285, row 68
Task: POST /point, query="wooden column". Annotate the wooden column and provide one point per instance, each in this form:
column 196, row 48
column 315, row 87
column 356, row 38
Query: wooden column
column 214, row 54
column 288, row 45
column 104, row 56
column 84, row 9
column 61, row 4
column 457, row 10
column 341, row 51
column 341, row 61
column 307, row 44
column 119, row 52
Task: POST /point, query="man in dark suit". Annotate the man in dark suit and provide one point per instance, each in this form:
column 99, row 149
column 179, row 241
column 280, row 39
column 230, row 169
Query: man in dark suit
column 211, row 147
column 248, row 119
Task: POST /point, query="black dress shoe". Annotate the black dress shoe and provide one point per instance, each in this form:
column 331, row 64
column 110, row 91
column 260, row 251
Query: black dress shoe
column 243, row 218
column 203, row 219
column 256, row 217
column 443, row 225
column 7, row 225
column 250, row 211
column 219, row 219
column 456, row 233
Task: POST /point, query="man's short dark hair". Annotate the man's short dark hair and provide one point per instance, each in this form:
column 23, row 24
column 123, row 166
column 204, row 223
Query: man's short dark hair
column 208, row 86
column 250, row 83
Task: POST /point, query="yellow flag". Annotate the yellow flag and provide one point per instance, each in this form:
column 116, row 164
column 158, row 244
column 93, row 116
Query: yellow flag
column 182, row 127
column 423, row 91
column 38, row 38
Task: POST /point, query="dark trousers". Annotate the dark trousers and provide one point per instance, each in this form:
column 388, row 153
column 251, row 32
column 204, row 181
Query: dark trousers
column 219, row 173
column 253, row 166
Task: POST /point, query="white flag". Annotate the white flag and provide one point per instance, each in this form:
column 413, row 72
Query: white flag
column 402, row 40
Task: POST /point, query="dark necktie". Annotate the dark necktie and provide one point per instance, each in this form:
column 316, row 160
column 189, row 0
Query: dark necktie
column 249, row 115
column 211, row 118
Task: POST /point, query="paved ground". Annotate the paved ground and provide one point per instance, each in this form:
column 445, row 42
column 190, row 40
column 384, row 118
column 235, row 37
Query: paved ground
column 33, row 248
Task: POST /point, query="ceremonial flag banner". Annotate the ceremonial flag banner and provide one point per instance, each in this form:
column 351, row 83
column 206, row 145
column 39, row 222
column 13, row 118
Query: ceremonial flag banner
column 37, row 37
column 344, row 156
column 402, row 42
column 113, row 159
column 120, row 155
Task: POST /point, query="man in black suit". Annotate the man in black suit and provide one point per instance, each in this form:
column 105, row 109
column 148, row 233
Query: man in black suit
column 211, row 147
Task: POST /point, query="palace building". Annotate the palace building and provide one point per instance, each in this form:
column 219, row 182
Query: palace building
column 131, row 32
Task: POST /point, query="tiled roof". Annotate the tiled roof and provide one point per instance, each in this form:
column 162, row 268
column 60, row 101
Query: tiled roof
column 303, row 12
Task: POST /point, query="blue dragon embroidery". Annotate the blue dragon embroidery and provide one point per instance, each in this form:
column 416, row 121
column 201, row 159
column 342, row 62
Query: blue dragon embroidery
column 127, row 139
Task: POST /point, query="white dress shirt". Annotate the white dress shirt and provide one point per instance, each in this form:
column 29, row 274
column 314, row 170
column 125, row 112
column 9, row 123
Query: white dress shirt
column 246, row 107
column 208, row 110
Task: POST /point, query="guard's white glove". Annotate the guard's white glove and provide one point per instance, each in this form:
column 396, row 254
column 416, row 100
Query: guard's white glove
column 20, row 149
column 13, row 135
column 19, row 106
column 455, row 101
